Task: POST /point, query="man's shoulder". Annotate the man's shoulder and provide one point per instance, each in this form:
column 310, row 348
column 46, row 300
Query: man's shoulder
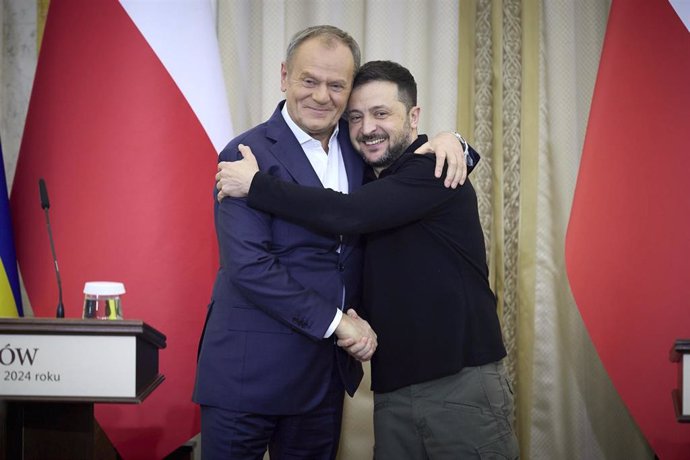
column 417, row 162
column 261, row 134
column 420, row 169
column 255, row 133
column 255, row 136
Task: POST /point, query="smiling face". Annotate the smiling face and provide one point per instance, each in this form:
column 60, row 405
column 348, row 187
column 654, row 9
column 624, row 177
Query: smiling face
column 381, row 128
column 317, row 82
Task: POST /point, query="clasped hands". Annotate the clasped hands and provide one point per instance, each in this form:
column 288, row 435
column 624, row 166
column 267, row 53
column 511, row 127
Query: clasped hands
column 356, row 336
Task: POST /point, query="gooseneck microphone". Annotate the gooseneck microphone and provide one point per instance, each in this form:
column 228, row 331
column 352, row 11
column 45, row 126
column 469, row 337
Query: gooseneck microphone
column 45, row 204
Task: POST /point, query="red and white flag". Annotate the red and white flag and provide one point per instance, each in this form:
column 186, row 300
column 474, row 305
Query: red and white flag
column 627, row 245
column 127, row 113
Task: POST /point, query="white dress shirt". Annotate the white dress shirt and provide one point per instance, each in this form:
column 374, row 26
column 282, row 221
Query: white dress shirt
column 330, row 169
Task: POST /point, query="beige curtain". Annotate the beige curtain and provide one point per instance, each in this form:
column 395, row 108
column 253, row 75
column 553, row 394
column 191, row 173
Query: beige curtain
column 516, row 77
column 421, row 35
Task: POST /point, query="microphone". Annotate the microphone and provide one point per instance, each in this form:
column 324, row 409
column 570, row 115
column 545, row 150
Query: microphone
column 45, row 204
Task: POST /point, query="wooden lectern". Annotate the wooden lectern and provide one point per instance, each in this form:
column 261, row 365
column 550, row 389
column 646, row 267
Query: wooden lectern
column 52, row 371
column 680, row 353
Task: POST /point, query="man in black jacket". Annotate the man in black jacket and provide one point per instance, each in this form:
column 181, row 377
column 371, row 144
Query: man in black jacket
column 440, row 390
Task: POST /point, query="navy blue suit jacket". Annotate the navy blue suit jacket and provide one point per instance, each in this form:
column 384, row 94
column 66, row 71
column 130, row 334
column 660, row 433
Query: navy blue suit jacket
column 276, row 292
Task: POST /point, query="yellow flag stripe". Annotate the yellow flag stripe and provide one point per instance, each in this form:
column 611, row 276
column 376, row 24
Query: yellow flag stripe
column 8, row 305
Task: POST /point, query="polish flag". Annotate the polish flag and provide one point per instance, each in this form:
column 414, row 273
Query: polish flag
column 127, row 114
column 627, row 245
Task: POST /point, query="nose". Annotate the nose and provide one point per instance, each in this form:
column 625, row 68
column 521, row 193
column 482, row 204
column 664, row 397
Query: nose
column 368, row 124
column 320, row 94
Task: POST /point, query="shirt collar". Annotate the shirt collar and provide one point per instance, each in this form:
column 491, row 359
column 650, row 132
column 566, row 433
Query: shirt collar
column 300, row 134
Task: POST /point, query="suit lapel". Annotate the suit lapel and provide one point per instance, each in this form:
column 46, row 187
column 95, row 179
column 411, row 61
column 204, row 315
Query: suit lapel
column 354, row 166
column 289, row 152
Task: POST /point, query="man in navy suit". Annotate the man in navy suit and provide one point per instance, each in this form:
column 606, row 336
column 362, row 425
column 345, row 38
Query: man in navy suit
column 270, row 372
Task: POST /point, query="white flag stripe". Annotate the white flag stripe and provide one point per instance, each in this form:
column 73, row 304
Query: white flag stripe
column 682, row 8
column 182, row 33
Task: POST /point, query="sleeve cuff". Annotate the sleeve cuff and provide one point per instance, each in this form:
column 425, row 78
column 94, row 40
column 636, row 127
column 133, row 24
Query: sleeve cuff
column 334, row 324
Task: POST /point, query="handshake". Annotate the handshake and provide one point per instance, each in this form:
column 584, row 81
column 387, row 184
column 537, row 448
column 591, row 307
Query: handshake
column 356, row 336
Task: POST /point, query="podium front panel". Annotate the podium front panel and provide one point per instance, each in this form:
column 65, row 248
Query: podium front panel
column 58, row 366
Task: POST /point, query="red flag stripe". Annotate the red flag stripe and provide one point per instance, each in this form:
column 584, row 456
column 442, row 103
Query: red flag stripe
column 130, row 172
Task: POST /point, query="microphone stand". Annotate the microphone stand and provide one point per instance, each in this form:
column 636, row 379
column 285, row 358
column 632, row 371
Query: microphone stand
column 60, row 307
column 45, row 204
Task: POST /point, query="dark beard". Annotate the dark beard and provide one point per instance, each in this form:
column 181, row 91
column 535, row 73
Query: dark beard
column 393, row 152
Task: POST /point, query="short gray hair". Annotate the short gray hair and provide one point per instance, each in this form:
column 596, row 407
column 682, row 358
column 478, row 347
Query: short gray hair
column 328, row 33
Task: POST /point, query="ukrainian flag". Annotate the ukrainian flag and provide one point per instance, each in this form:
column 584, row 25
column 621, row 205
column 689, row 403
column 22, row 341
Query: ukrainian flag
column 10, row 297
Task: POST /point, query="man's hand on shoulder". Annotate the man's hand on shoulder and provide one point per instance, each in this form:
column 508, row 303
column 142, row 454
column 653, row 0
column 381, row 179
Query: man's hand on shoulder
column 235, row 177
column 448, row 150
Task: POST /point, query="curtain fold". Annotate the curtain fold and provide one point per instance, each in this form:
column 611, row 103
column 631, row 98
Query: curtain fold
column 530, row 146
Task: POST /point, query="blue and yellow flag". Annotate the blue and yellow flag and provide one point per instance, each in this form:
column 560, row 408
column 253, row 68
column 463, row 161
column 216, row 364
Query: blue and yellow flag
column 10, row 296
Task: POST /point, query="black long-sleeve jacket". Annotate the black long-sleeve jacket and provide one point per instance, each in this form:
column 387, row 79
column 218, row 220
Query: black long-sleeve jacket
column 426, row 289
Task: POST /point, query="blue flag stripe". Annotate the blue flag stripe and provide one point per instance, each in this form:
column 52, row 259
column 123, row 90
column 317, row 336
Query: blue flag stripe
column 8, row 254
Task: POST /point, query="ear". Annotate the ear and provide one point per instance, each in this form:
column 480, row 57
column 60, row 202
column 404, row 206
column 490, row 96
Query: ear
column 414, row 116
column 283, row 76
